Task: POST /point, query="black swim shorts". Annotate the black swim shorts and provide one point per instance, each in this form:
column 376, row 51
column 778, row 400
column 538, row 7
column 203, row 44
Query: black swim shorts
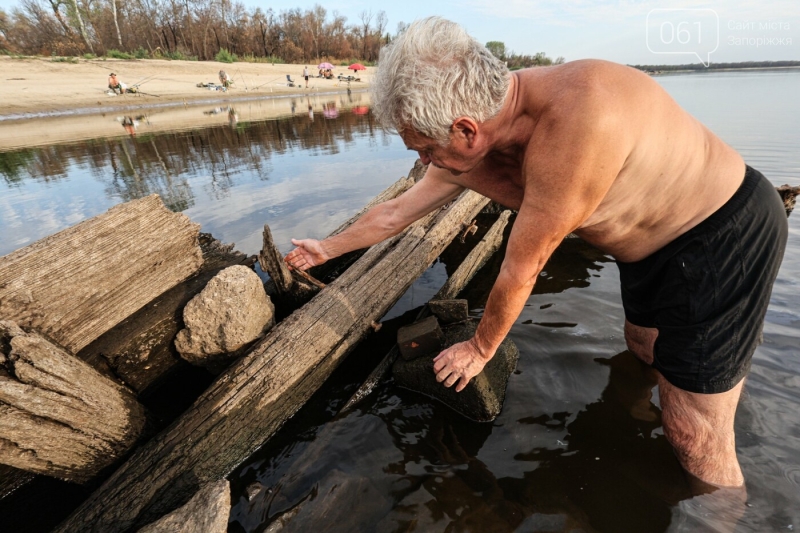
column 707, row 291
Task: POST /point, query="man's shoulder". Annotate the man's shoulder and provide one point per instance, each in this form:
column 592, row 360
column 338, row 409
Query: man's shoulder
column 580, row 92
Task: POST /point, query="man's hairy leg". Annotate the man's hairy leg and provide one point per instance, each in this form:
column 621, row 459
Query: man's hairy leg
column 700, row 429
column 699, row 426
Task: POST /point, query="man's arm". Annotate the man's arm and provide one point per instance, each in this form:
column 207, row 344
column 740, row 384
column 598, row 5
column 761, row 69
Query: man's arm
column 564, row 186
column 381, row 222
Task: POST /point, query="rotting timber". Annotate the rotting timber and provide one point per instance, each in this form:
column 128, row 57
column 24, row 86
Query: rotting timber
column 138, row 351
column 255, row 396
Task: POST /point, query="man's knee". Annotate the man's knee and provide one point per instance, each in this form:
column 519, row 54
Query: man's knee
column 686, row 433
column 700, row 429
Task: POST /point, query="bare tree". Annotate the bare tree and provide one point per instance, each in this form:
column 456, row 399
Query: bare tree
column 81, row 25
column 366, row 21
column 116, row 21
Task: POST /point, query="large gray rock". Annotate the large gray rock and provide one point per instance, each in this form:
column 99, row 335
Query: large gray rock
column 482, row 399
column 207, row 512
column 232, row 311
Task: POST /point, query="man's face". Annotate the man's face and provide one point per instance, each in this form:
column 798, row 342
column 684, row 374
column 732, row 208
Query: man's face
column 456, row 156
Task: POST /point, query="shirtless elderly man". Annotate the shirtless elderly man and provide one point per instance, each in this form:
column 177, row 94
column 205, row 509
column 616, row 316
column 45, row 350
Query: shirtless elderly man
column 600, row 150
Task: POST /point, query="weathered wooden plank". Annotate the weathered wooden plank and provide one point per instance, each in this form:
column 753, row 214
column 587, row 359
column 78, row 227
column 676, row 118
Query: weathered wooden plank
column 475, row 260
column 272, row 263
column 206, row 512
column 477, row 257
column 59, row 416
column 11, row 479
column 255, row 396
column 77, row 284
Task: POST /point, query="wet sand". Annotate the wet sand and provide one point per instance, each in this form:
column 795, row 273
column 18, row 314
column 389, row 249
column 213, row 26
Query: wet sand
column 48, row 130
column 41, row 87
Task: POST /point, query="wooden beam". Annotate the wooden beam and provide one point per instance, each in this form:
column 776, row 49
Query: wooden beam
column 79, row 283
column 250, row 401
column 59, row 416
column 272, row 263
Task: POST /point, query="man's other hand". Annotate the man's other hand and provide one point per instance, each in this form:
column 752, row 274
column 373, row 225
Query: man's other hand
column 459, row 363
column 309, row 253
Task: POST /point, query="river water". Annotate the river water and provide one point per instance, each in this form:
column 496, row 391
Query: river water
column 578, row 446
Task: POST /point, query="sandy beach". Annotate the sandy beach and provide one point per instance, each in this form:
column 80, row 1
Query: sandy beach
column 41, row 86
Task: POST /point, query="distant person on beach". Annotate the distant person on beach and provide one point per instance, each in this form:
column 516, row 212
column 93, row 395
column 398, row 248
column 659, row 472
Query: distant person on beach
column 602, row 151
column 305, row 75
column 224, row 79
column 115, row 85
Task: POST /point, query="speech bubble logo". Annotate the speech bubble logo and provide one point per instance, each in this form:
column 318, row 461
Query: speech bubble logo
column 683, row 31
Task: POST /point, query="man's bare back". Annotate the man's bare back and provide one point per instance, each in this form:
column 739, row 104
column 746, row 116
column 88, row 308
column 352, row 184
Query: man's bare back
column 669, row 171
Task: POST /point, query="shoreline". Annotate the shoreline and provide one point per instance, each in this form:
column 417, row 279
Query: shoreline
column 731, row 69
column 171, row 118
column 38, row 88
column 81, row 111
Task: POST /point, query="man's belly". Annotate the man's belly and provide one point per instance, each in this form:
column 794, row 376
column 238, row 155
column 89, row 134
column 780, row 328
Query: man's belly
column 632, row 223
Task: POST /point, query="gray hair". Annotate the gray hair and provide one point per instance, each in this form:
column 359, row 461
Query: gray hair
column 433, row 73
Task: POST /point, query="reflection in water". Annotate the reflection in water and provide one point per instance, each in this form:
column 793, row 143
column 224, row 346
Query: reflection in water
column 189, row 169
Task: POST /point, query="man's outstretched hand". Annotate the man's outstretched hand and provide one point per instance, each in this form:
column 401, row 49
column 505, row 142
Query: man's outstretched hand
column 309, row 253
column 459, row 363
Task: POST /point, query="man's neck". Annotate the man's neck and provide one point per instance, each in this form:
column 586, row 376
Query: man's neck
column 507, row 133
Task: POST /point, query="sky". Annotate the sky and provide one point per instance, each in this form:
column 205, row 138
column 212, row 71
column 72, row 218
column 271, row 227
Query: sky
column 624, row 31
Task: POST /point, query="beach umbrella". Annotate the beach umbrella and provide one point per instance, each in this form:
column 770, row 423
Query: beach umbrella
column 356, row 66
column 325, row 66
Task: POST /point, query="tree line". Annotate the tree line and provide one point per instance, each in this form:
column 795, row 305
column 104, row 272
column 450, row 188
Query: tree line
column 516, row 61
column 204, row 30
column 189, row 29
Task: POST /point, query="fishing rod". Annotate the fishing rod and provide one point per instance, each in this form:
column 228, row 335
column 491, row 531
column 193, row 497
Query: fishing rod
column 239, row 72
column 147, row 94
column 265, row 83
column 144, row 80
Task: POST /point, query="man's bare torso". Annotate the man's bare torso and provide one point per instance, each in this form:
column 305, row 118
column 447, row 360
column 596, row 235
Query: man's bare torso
column 671, row 171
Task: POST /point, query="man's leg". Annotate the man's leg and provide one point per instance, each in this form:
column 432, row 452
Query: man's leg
column 700, row 429
column 698, row 426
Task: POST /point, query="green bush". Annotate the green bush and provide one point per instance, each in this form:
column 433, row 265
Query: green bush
column 251, row 58
column 89, row 56
column 116, row 54
column 58, row 59
column 223, row 56
column 141, row 53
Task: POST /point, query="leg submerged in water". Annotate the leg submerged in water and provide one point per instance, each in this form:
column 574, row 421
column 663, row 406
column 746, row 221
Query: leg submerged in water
column 700, row 429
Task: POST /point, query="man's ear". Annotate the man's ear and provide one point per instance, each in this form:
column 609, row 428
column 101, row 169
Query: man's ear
column 466, row 128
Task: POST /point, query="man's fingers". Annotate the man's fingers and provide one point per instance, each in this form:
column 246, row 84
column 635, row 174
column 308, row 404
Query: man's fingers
column 451, row 379
column 438, row 364
column 462, row 383
column 441, row 376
